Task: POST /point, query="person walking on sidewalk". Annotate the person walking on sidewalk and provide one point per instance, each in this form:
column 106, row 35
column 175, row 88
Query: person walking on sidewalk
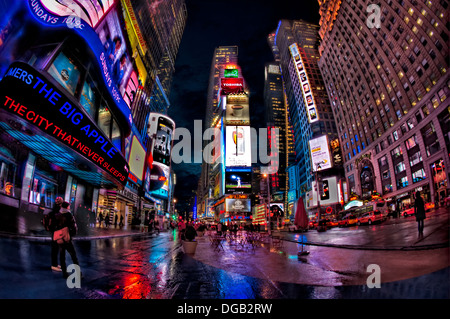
column 100, row 219
column 65, row 219
column 116, row 217
column 419, row 210
column 50, row 225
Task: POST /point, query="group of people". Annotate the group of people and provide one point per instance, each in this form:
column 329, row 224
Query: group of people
column 61, row 220
column 103, row 219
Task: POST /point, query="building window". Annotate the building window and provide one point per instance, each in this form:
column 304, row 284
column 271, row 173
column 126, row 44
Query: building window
column 411, row 142
column 402, row 182
column 399, row 167
column 418, row 175
column 7, row 178
column 396, row 152
column 415, row 159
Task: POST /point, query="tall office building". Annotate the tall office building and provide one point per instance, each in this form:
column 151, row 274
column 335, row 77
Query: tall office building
column 389, row 88
column 223, row 56
column 225, row 182
column 276, row 117
column 296, row 44
column 161, row 26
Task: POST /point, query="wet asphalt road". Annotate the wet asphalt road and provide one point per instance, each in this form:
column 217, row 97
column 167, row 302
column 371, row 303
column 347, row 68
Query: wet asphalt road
column 157, row 268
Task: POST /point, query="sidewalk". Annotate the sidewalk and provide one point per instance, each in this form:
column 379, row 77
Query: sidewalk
column 393, row 234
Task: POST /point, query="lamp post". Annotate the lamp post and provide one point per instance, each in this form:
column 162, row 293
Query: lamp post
column 268, row 205
column 318, row 190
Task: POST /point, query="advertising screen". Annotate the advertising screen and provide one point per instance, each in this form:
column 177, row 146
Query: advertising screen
column 90, row 11
column 237, row 110
column 304, row 84
column 238, row 181
column 232, row 85
column 238, row 146
column 137, row 158
column 320, row 153
column 65, row 72
column 231, row 73
column 238, row 205
column 163, row 141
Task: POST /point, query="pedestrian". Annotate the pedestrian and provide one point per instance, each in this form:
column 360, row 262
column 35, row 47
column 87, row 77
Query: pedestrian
column 121, row 221
column 51, row 227
column 116, row 217
column 100, row 219
column 181, row 228
column 106, row 220
column 65, row 219
column 419, row 210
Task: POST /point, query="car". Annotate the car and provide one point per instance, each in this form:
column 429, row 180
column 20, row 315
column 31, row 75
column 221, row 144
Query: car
column 312, row 224
column 371, row 217
column 408, row 212
column 332, row 223
column 348, row 220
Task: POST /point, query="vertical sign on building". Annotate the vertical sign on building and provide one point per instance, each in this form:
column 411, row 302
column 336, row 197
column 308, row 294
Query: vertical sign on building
column 308, row 97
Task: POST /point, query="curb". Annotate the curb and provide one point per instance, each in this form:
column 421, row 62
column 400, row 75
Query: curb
column 76, row 238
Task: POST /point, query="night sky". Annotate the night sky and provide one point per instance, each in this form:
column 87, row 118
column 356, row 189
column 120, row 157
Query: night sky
column 245, row 23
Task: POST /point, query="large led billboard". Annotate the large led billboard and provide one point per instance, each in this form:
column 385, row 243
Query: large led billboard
column 238, row 181
column 161, row 129
column 238, row 146
column 232, row 85
column 320, row 153
column 310, row 104
column 90, row 11
column 237, row 110
column 238, row 205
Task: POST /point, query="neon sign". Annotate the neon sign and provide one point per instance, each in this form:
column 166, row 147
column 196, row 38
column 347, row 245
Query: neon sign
column 27, row 94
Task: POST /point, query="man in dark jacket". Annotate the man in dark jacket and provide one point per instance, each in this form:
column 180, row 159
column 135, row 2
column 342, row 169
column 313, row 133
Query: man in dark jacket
column 65, row 219
column 419, row 210
column 52, row 228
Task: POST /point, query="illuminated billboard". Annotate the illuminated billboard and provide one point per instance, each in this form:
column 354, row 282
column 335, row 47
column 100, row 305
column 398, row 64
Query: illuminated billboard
column 238, row 205
column 161, row 129
column 238, row 181
column 238, row 146
column 237, row 110
column 232, row 85
column 90, row 11
column 320, row 153
column 310, row 104
column 231, row 73
column 136, row 159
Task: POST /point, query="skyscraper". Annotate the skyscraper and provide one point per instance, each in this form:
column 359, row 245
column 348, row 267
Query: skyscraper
column 226, row 173
column 276, row 117
column 309, row 108
column 389, row 88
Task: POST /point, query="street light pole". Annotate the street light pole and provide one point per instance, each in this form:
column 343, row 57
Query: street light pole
column 268, row 205
column 318, row 191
